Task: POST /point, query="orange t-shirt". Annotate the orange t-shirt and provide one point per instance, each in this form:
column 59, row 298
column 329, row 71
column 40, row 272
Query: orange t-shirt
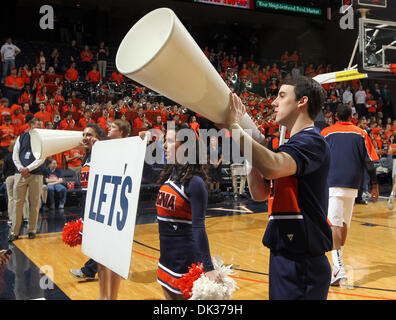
column 71, row 74
column 67, row 125
column 4, row 112
column 59, row 160
column 17, row 122
column 86, row 56
column 94, row 76
column 83, row 122
column 4, row 129
column 71, row 154
column 45, row 116
column 117, row 77
column 11, row 80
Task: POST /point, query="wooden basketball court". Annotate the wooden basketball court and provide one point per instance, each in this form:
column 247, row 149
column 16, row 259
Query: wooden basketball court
column 369, row 256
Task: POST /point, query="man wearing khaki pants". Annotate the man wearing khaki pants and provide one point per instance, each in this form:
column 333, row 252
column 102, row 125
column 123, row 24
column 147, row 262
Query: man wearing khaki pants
column 29, row 178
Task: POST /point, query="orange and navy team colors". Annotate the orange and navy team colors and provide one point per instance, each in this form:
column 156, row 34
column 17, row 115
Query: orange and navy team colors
column 346, row 167
column 181, row 224
column 298, row 204
column 84, row 173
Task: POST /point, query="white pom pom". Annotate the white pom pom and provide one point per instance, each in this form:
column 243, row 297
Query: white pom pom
column 206, row 289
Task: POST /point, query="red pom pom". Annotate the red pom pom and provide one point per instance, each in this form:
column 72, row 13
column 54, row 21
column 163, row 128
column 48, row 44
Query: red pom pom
column 72, row 233
column 186, row 282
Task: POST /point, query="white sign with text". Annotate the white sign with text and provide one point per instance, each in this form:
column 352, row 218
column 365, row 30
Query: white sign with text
column 112, row 200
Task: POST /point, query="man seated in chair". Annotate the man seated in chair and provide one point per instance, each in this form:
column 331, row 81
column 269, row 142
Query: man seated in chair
column 53, row 179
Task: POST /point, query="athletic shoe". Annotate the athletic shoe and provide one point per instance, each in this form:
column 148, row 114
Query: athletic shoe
column 337, row 276
column 78, row 274
column 390, row 201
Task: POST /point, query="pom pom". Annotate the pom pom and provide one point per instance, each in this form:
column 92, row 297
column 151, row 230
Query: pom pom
column 195, row 285
column 186, row 282
column 72, row 233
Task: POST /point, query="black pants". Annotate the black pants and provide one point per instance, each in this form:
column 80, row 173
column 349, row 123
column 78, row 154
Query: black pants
column 299, row 279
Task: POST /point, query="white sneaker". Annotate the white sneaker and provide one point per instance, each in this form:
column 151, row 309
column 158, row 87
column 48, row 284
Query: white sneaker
column 337, row 276
column 390, row 201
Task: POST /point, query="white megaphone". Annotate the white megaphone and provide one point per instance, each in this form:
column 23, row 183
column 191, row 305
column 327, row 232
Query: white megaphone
column 158, row 52
column 47, row 142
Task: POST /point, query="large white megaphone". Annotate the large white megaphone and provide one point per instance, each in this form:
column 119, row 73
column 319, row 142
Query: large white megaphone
column 47, row 142
column 158, row 52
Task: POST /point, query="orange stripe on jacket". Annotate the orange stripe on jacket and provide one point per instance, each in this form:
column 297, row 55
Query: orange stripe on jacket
column 349, row 127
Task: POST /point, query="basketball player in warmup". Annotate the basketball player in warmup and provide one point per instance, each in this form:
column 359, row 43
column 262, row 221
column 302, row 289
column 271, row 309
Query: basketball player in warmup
column 351, row 152
column 293, row 179
column 181, row 207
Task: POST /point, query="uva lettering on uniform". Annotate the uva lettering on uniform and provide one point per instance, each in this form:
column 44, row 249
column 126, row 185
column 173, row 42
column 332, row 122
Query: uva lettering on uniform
column 166, row 200
column 126, row 188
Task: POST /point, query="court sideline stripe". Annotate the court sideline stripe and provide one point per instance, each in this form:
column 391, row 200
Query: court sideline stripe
column 266, row 274
column 266, row 282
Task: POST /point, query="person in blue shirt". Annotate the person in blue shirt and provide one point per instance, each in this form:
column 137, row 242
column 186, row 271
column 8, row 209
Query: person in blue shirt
column 54, row 181
column 294, row 180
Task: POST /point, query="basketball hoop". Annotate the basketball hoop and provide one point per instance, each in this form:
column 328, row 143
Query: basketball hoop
column 393, row 67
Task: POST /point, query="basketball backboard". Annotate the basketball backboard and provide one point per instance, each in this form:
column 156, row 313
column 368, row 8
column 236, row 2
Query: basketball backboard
column 377, row 46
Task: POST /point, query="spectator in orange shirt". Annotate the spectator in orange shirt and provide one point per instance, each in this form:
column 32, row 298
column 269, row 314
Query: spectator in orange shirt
column 4, row 109
column 117, row 77
column 25, row 73
column 43, row 114
column 285, row 57
column 69, row 106
column 105, row 120
column 26, row 126
column 13, row 85
column 94, row 74
column 194, row 124
column 294, row 57
column 388, row 131
column 371, row 107
column 82, row 123
column 26, row 96
column 17, row 119
column 86, row 59
column 52, row 106
column 41, row 96
column 74, row 158
column 7, row 133
column 26, row 109
column 67, row 123
column 275, row 70
column 59, row 98
column 141, row 121
column 72, row 73
column 244, row 71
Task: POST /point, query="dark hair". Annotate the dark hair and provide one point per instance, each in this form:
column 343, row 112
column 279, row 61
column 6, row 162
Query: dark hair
column 100, row 134
column 344, row 112
column 304, row 86
column 28, row 118
column 184, row 172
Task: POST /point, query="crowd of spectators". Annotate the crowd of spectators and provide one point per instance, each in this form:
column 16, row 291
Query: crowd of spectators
column 39, row 91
